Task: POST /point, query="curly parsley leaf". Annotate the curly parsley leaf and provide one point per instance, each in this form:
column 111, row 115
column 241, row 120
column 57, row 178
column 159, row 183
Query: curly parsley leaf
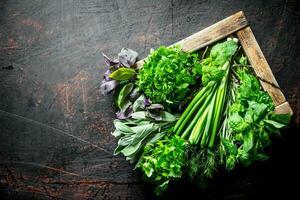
column 167, row 74
column 163, row 161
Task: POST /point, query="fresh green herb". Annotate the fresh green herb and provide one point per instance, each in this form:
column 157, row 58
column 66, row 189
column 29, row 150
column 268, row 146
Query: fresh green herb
column 143, row 126
column 122, row 74
column 249, row 121
column 124, row 92
column 229, row 121
column 136, row 133
column 163, row 161
column 167, row 74
column 200, row 121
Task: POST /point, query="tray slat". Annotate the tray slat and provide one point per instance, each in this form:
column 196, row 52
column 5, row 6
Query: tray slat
column 214, row 33
column 260, row 65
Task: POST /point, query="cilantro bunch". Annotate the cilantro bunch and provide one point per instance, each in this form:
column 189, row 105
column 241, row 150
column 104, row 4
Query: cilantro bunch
column 167, row 74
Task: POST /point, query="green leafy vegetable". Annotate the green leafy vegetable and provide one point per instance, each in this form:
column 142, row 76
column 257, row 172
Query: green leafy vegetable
column 167, row 74
column 125, row 91
column 163, row 161
column 229, row 121
column 138, row 131
column 122, row 74
column 250, row 121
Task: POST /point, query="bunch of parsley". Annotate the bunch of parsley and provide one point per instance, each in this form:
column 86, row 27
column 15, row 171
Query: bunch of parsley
column 167, row 74
column 163, row 161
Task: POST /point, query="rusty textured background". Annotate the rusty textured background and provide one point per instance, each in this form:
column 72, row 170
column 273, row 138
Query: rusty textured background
column 55, row 140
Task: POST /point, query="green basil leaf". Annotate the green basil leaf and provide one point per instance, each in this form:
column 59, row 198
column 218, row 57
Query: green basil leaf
column 275, row 124
column 125, row 91
column 122, row 74
column 230, row 147
column 245, row 158
column 237, row 123
column 261, row 157
column 230, row 163
column 281, row 118
column 248, row 141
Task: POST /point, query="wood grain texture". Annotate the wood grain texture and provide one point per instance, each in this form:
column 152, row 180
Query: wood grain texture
column 260, row 65
column 284, row 108
column 54, row 118
column 211, row 34
column 214, row 32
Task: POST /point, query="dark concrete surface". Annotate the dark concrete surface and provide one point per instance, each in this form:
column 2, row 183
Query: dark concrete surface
column 55, row 140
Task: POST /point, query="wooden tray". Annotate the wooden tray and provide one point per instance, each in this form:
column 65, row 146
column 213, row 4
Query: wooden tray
column 237, row 24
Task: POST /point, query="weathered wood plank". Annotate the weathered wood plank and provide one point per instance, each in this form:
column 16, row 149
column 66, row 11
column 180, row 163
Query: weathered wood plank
column 284, row 108
column 260, row 65
column 212, row 33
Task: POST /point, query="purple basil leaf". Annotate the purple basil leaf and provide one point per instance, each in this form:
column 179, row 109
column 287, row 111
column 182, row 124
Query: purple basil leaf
column 147, row 102
column 127, row 57
column 155, row 114
column 125, row 114
column 155, row 107
column 134, row 94
column 109, row 62
column 108, row 86
column 106, row 75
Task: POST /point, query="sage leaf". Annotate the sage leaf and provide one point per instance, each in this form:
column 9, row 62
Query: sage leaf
column 122, row 127
column 168, row 117
column 139, row 115
column 139, row 104
column 125, row 140
column 116, row 133
column 131, row 149
column 118, row 150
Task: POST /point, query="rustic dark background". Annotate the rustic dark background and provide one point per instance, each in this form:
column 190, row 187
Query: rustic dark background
column 55, row 140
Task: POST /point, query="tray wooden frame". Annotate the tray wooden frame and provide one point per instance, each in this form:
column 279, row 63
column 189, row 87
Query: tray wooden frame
column 237, row 24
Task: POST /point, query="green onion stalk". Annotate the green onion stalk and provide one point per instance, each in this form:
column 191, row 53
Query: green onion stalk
column 200, row 121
